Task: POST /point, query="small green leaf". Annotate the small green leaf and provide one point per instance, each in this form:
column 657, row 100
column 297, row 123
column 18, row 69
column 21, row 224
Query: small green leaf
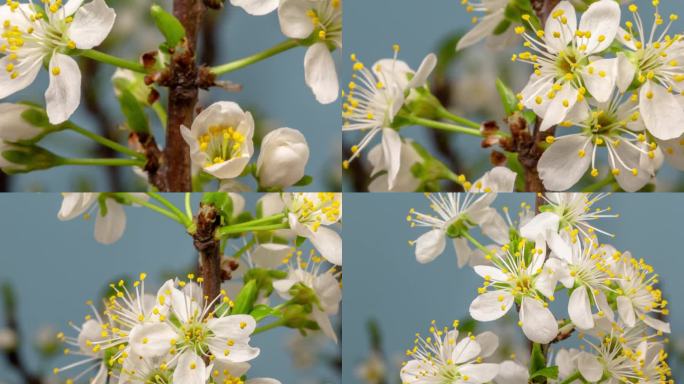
column 548, row 372
column 134, row 112
column 244, row 303
column 300, row 240
column 262, row 311
column 508, row 99
column 537, row 359
column 304, row 181
column 168, row 25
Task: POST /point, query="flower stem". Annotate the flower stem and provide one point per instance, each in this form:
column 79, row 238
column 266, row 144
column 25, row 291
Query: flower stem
column 268, row 327
column 147, row 204
column 104, row 162
column 249, row 60
column 476, row 243
column 600, row 184
column 181, row 216
column 113, row 60
column 572, row 378
column 226, row 231
column 263, row 220
column 445, row 114
column 444, row 126
column 106, row 142
column 188, row 208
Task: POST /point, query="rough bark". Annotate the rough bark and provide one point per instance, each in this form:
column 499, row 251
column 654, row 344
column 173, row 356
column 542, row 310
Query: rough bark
column 183, row 93
column 207, row 221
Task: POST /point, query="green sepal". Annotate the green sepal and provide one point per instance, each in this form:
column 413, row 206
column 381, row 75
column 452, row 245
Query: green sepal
column 304, row 181
column 537, row 359
column 508, row 98
column 134, row 112
column 547, row 372
column 244, row 302
column 262, row 311
column 27, row 158
column 169, row 26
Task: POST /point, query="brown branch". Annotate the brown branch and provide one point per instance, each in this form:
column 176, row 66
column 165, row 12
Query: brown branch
column 209, row 248
column 183, row 94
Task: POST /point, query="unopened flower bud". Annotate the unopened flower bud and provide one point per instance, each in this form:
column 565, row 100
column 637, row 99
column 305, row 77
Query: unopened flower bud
column 283, row 158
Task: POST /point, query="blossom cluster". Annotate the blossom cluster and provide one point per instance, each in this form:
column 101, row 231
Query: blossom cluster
column 614, row 304
column 182, row 334
column 602, row 78
column 177, row 335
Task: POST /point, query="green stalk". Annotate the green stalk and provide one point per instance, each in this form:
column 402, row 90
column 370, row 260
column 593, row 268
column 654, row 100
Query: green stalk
column 188, row 208
column 600, row 184
column 261, row 221
column 181, row 216
column 268, row 327
column 104, row 162
column 445, row 114
column 104, row 141
column 444, row 126
column 249, row 60
column 153, row 207
column 226, row 231
column 571, row 378
column 113, row 60
column 476, row 243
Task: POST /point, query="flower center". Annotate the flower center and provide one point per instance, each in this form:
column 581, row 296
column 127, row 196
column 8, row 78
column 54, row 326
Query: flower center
column 569, row 62
column 195, row 335
column 221, row 143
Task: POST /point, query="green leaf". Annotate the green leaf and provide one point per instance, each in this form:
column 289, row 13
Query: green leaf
column 537, row 359
column 168, row 25
column 304, row 181
column 262, row 311
column 548, row 372
column 300, row 240
column 244, row 303
column 508, row 98
column 134, row 112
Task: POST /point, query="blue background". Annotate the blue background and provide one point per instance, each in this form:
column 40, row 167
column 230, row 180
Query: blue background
column 273, row 89
column 386, row 283
column 55, row 267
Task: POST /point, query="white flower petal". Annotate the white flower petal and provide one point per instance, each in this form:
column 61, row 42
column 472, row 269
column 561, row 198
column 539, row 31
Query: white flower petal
column 626, row 310
column 488, row 272
column 490, row 306
column 602, row 19
column 511, row 372
column 110, row 228
column 256, row 7
column 483, row 29
column 538, row 322
column 75, row 204
column 92, row 24
column 589, row 366
column 426, row 67
column 27, row 70
column 566, row 31
column 560, row 106
column 329, row 244
column 465, row 351
column 64, row 93
column 320, row 73
column 190, row 369
column 489, row 342
column 294, row 21
column 152, row 339
column 463, row 251
column 540, row 225
column 430, row 245
column 656, row 324
column 270, row 255
column 561, row 166
column 391, row 149
column 600, row 77
column 579, row 309
column 662, row 113
column 626, row 71
column 479, row 373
